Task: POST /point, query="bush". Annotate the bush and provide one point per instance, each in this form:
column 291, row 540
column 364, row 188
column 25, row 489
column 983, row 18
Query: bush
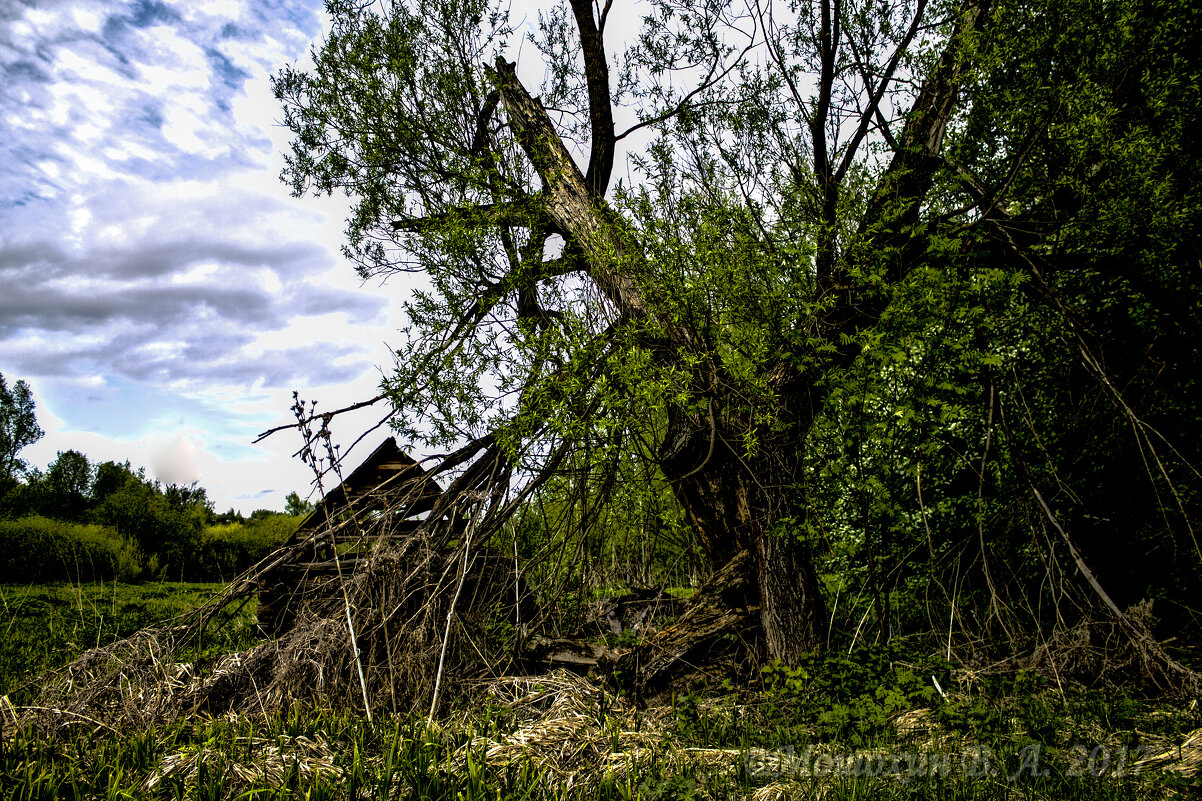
column 221, row 552
column 35, row 549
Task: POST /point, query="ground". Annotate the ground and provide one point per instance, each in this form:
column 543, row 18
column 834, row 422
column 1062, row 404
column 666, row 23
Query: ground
column 879, row 722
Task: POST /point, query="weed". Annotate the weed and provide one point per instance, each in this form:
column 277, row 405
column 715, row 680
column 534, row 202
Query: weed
column 48, row 625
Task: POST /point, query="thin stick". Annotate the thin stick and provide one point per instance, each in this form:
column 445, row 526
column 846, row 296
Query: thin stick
column 56, row 711
column 517, row 586
column 303, row 422
column 856, row 636
column 1137, row 635
column 442, row 654
column 346, row 599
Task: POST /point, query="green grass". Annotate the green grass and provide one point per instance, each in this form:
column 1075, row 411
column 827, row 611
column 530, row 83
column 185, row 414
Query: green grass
column 44, row 626
column 322, row 755
column 865, row 725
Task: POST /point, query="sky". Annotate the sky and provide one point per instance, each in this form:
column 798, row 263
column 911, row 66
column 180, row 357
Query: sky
column 160, row 291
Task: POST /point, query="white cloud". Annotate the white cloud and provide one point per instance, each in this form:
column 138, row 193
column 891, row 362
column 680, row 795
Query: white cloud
column 170, row 62
column 161, row 288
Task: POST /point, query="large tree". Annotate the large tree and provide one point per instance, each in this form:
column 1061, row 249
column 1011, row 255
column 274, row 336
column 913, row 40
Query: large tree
column 18, row 428
column 66, row 486
column 692, row 240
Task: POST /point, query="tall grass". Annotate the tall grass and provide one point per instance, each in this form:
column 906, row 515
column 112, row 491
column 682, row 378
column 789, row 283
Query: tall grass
column 45, row 626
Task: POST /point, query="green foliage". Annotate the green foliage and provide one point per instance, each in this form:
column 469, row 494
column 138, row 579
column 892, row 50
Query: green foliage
column 936, row 377
column 1006, row 363
column 66, row 486
column 854, row 698
column 18, row 429
column 137, row 527
column 163, row 527
column 295, row 506
column 220, row 552
column 39, row 549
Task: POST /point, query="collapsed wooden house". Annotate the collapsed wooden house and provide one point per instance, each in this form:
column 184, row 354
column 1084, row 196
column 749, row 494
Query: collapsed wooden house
column 386, row 498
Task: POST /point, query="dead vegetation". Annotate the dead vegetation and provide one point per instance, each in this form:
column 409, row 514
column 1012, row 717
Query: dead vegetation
column 394, row 600
column 574, row 734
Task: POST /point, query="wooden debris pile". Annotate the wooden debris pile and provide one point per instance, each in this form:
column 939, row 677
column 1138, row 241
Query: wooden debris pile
column 389, row 597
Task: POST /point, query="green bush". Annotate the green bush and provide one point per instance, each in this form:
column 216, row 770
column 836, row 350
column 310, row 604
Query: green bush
column 853, row 697
column 39, row 549
column 223, row 551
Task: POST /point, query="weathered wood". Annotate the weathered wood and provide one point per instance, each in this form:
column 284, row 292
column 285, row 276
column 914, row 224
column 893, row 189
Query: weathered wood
column 389, row 479
column 579, row 656
column 397, row 529
column 382, row 500
column 719, row 629
column 344, row 564
column 638, row 610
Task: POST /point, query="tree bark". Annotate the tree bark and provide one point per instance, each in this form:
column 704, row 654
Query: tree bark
column 735, row 504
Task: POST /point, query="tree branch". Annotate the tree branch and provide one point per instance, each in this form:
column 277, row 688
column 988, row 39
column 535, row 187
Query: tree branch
column 323, row 415
column 601, row 117
column 912, row 169
column 521, row 213
column 610, row 249
column 874, row 102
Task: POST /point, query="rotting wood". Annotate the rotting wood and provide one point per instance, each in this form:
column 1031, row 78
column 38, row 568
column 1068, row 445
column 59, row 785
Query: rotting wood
column 718, row 632
column 543, row 654
column 639, row 610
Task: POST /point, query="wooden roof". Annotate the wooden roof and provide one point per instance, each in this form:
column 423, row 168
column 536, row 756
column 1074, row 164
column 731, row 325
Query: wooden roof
column 388, row 478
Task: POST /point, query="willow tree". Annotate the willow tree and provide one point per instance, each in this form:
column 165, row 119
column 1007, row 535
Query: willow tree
column 673, row 243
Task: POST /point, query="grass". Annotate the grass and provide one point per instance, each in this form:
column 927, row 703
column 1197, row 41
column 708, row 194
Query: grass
column 323, row 755
column 866, row 725
column 44, row 626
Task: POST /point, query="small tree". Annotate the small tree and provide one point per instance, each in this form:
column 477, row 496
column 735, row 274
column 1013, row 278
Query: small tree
column 294, row 505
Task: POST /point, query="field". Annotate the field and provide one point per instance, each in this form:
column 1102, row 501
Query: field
column 46, row 625
column 876, row 723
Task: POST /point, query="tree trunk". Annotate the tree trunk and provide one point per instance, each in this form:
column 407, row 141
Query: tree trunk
column 735, row 505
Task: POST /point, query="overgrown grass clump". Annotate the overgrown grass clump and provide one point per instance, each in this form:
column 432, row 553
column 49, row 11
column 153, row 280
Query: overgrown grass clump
column 664, row 753
column 878, row 722
column 564, row 737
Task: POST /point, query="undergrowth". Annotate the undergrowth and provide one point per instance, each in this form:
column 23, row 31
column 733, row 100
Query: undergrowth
column 319, row 754
column 873, row 723
column 44, row 626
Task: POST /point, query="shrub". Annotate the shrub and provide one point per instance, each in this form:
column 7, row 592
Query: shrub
column 223, row 551
column 39, row 549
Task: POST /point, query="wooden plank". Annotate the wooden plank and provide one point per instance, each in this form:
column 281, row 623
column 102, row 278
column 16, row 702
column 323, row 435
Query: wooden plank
column 573, row 654
column 346, row 564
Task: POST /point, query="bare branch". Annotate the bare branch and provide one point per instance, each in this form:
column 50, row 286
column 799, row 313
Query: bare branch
column 521, row 213
column 601, row 117
column 315, row 417
column 874, row 102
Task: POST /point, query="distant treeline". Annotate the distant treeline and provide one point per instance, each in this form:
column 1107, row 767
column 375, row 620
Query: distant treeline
column 77, row 521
